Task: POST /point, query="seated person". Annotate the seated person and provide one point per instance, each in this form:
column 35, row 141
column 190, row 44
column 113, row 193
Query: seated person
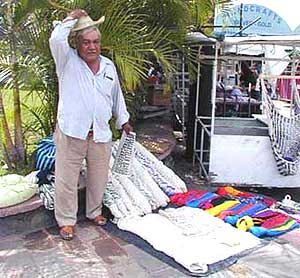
column 220, row 89
column 155, row 74
column 236, row 92
column 248, row 81
column 247, row 76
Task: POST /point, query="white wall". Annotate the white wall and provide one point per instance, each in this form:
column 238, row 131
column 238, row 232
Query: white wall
column 246, row 160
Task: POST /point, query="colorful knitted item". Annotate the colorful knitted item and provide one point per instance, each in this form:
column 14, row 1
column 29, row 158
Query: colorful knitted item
column 245, row 196
column 234, row 210
column 215, row 211
column 229, row 190
column 266, row 223
column 180, row 199
column 206, row 205
column 263, row 232
column 275, row 221
column 271, row 219
column 250, row 211
column 219, row 200
column 245, row 223
column 196, row 202
column 256, row 200
column 214, row 201
column 265, row 214
column 246, row 211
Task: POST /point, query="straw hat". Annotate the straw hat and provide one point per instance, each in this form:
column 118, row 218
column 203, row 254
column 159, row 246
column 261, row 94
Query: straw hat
column 85, row 22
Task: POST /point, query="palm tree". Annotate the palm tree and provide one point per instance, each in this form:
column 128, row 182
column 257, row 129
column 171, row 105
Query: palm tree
column 9, row 150
column 25, row 63
column 8, row 11
column 203, row 12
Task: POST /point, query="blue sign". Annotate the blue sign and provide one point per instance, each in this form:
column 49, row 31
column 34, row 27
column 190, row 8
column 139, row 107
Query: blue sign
column 270, row 23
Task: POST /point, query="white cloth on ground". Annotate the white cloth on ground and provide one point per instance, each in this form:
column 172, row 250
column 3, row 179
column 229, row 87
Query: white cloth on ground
column 204, row 240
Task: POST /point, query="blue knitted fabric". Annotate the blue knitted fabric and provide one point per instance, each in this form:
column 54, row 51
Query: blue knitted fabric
column 263, row 232
column 205, row 197
column 45, row 154
column 251, row 211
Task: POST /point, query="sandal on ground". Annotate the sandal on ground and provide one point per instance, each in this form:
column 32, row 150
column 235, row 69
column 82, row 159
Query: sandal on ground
column 99, row 220
column 67, row 232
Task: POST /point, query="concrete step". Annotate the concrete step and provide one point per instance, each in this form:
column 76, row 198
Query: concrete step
column 151, row 111
column 240, row 126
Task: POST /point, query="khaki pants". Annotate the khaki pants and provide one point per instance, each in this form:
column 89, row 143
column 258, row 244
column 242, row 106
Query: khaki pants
column 70, row 153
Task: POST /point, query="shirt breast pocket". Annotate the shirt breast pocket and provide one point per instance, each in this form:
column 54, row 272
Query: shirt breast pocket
column 105, row 87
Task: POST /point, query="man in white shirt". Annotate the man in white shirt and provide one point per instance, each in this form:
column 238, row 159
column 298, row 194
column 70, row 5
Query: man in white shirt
column 89, row 95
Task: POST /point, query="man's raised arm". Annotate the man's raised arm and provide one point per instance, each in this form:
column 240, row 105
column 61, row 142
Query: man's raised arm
column 58, row 41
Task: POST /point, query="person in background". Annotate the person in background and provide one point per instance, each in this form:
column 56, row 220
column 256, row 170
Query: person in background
column 247, row 76
column 89, row 95
column 248, row 80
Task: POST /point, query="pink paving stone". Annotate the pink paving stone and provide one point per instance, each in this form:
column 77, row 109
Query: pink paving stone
column 107, row 249
column 29, row 205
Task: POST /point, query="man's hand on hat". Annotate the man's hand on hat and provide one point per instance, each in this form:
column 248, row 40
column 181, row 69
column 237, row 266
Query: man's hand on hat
column 75, row 14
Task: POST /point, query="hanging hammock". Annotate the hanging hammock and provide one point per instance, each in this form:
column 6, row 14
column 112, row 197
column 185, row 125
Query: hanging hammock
column 284, row 133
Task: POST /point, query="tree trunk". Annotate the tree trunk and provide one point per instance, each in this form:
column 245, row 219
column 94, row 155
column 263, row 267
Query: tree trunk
column 10, row 152
column 19, row 141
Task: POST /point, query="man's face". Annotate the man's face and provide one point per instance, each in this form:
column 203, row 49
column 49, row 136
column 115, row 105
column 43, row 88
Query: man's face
column 88, row 46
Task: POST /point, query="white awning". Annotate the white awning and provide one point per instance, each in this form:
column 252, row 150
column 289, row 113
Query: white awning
column 289, row 40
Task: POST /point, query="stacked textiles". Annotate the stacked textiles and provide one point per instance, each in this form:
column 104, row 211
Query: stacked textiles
column 144, row 190
column 45, row 180
column 165, row 178
column 289, row 206
column 246, row 211
column 198, row 241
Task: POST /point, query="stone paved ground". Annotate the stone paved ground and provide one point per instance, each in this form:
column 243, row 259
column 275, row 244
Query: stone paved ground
column 93, row 253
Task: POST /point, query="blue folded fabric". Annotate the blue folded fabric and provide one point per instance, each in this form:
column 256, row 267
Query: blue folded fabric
column 205, row 197
column 263, row 232
column 250, row 211
column 236, row 207
column 45, row 154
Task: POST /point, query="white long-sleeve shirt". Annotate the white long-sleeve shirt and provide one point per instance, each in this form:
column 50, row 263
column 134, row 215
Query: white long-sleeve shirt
column 85, row 99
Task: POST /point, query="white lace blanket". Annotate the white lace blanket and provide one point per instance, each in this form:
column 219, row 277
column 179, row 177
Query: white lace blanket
column 141, row 191
column 162, row 169
column 190, row 236
column 165, row 178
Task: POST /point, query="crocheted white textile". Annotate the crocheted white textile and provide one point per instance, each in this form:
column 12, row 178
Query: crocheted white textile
column 138, row 193
column 163, row 170
column 192, row 237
